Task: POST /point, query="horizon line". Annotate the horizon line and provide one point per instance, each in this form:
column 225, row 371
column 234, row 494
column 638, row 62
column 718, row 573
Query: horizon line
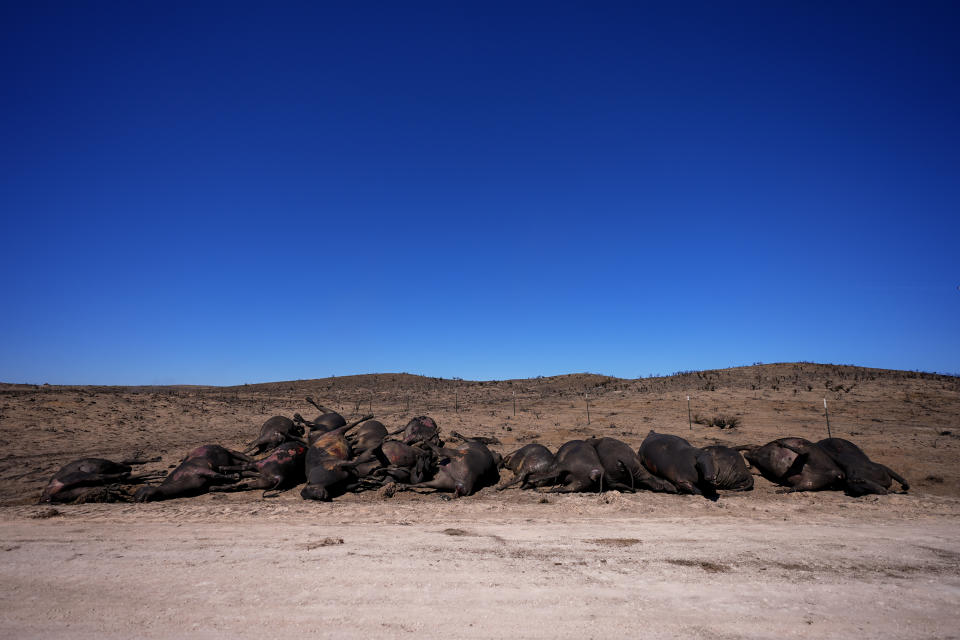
column 460, row 379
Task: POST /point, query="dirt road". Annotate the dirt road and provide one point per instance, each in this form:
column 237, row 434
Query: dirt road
column 574, row 567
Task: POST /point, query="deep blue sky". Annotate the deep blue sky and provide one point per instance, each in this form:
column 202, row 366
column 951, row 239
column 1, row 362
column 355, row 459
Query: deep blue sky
column 231, row 193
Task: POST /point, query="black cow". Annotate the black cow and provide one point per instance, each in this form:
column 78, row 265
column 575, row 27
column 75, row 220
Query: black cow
column 732, row 471
column 688, row 468
column 274, row 432
column 526, row 461
column 623, row 470
column 463, row 470
column 795, row 463
column 334, row 442
column 281, row 469
column 394, row 461
column 328, row 420
column 199, row 471
column 420, row 429
column 328, row 468
column 862, row 476
column 84, row 480
column 576, row 466
column 367, row 436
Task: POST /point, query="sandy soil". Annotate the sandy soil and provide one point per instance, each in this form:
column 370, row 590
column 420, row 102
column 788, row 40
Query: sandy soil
column 751, row 565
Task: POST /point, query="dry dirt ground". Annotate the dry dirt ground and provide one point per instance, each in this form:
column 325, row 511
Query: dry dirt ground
column 517, row 563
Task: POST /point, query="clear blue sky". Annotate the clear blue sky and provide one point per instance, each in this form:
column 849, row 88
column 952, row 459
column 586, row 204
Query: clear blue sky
column 224, row 193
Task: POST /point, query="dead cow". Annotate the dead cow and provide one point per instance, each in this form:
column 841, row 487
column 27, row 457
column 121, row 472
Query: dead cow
column 199, row 471
column 862, row 476
column 526, row 461
column 328, row 420
column 274, row 432
column 328, row 468
column 84, row 480
column 394, row 461
column 334, row 441
column 484, row 440
column 732, row 471
column 688, row 468
column 281, row 469
column 420, row 429
column 367, row 436
column 623, row 470
column 795, row 463
column 576, row 466
column 463, row 470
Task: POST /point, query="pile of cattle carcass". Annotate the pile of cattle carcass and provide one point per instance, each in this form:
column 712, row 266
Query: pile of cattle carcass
column 338, row 457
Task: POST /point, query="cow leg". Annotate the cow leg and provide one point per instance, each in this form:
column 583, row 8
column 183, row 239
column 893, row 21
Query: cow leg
column 442, row 482
column 422, row 469
column 371, row 483
column 366, row 456
column 536, row 478
column 146, row 477
column 366, row 469
column 443, row 452
column 518, row 479
column 563, row 489
column 654, row 483
column 259, row 482
column 860, row 487
column 687, row 487
column 568, row 484
column 219, row 478
column 240, row 457
column 235, row 468
column 399, row 474
column 272, row 489
column 622, row 467
column 801, row 486
column 896, row 476
column 585, row 484
column 529, row 483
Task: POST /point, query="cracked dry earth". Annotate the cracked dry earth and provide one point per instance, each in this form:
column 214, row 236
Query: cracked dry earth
column 517, row 564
